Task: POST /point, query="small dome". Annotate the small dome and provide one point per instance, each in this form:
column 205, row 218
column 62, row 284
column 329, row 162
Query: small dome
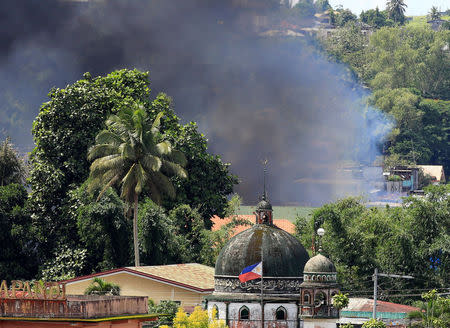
column 284, row 255
column 319, row 264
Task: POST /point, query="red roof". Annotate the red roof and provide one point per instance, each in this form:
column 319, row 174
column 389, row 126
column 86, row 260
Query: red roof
column 218, row 222
column 366, row 305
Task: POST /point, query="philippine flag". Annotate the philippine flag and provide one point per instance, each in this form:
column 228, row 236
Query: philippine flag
column 251, row 272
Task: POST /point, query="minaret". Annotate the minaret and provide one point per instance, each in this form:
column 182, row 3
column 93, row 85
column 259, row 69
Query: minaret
column 264, row 208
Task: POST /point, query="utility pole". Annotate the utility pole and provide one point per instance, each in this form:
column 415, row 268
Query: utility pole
column 375, row 286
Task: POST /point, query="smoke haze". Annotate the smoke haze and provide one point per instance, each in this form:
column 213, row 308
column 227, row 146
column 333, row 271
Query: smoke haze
column 253, row 97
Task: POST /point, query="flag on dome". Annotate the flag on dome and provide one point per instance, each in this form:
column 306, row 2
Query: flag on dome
column 251, row 272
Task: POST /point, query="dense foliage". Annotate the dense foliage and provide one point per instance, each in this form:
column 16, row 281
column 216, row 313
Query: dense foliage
column 408, row 70
column 17, row 256
column 131, row 153
column 65, row 129
column 434, row 311
column 12, row 167
column 413, row 240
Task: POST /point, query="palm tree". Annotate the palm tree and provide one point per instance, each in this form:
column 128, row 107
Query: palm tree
column 396, row 10
column 132, row 153
column 434, row 13
column 101, row 287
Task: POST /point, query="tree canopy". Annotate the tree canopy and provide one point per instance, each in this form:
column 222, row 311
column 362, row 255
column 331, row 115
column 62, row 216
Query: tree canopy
column 413, row 240
column 66, row 128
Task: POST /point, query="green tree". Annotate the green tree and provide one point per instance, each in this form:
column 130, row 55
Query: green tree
column 374, row 323
column 434, row 311
column 67, row 263
column 102, row 287
column 159, row 239
column 103, row 229
column 168, row 308
column 304, row 8
column 17, row 257
column 340, row 301
column 434, row 13
column 130, row 152
column 375, row 18
column 322, row 5
column 12, row 167
column 344, row 17
column 396, row 10
column 65, row 129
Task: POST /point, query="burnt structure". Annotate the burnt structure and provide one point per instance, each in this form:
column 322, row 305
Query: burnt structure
column 284, row 282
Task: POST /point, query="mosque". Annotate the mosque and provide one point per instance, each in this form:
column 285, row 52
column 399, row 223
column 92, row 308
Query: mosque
column 296, row 290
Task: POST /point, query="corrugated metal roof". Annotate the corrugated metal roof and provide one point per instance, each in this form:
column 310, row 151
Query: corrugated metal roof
column 366, row 305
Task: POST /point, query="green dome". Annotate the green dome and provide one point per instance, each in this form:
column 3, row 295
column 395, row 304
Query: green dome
column 319, row 264
column 284, row 255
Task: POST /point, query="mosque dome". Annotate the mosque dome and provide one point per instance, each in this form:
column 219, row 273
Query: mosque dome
column 319, row 271
column 319, row 263
column 283, row 255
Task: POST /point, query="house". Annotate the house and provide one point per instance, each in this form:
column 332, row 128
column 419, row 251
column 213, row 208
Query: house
column 436, row 24
column 218, row 223
column 360, row 310
column 435, row 171
column 185, row 284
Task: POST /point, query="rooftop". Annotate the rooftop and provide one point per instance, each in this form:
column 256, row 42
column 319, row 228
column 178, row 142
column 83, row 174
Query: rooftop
column 191, row 276
column 362, row 307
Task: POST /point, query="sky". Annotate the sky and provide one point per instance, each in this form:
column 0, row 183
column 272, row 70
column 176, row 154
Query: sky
column 415, row 7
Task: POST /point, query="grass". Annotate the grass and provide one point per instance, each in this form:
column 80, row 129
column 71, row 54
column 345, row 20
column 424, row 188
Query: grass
column 281, row 212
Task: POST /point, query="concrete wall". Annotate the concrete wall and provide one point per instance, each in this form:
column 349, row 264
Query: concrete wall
column 134, row 285
column 255, row 314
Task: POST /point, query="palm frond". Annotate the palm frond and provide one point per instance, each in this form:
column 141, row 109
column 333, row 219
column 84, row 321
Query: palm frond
column 163, row 183
column 107, row 186
column 151, row 163
column 164, row 147
column 177, row 157
column 155, row 193
column 110, row 162
column 157, row 123
column 127, row 151
column 171, row 168
column 141, row 178
column 108, row 137
column 129, row 184
column 101, row 150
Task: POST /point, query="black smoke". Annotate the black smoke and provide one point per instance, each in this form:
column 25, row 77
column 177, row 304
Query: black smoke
column 254, row 97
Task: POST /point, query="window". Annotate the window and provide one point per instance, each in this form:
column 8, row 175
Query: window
column 244, row 313
column 280, row 314
column 215, row 312
column 306, row 298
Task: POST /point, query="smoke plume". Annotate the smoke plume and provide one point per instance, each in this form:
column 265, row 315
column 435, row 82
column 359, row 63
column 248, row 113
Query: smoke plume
column 254, row 97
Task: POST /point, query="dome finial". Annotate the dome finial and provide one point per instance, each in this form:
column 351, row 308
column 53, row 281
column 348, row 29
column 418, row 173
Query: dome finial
column 265, row 162
column 264, row 208
column 320, row 232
